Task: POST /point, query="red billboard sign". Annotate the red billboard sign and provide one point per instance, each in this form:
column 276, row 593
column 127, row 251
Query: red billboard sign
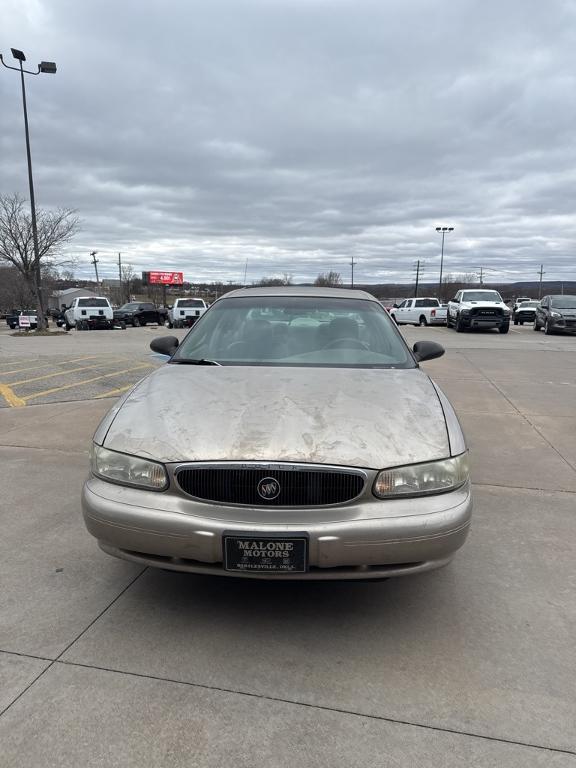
column 163, row 278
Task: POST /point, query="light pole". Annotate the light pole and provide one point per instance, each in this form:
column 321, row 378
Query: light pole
column 48, row 67
column 443, row 230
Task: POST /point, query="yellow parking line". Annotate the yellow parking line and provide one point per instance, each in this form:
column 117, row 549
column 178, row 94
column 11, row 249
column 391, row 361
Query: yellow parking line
column 12, row 399
column 113, row 392
column 48, row 365
column 65, row 372
column 86, row 381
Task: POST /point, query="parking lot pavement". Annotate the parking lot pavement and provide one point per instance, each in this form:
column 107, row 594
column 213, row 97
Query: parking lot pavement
column 74, row 366
column 105, row 663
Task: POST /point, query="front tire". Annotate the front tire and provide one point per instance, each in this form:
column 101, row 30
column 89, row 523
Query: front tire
column 459, row 326
column 536, row 327
column 547, row 329
column 135, row 322
column 504, row 328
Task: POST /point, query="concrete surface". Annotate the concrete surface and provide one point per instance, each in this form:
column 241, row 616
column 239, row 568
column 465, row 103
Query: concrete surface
column 103, row 663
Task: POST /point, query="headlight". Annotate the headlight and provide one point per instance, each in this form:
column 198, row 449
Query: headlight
column 127, row 470
column 422, row 479
column 507, row 311
column 555, row 314
column 465, row 312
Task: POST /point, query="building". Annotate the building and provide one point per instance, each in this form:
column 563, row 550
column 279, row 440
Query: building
column 67, row 296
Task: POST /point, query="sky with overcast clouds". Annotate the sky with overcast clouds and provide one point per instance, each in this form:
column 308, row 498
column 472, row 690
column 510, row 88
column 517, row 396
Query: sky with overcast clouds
column 295, row 134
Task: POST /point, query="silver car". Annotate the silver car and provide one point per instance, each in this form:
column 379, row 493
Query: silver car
column 291, row 435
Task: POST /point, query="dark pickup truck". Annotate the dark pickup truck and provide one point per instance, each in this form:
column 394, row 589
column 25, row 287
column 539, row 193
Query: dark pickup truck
column 140, row 313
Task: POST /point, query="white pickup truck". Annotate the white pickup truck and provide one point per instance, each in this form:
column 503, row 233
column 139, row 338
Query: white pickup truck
column 424, row 311
column 478, row 308
column 88, row 312
column 185, row 312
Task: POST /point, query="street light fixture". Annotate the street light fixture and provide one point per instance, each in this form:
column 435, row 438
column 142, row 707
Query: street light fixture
column 442, row 230
column 48, row 67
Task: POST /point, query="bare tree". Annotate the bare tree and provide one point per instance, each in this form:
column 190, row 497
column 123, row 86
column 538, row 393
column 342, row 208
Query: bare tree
column 286, row 279
column 55, row 229
column 328, row 279
column 128, row 276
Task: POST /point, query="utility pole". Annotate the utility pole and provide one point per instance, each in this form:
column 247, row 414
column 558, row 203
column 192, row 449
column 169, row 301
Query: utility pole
column 417, row 278
column 245, row 272
column 352, row 265
column 120, row 277
column 95, row 262
column 481, row 275
column 442, row 231
column 541, row 272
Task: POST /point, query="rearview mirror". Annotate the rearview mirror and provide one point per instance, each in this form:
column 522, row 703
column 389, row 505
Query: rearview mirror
column 164, row 345
column 427, row 350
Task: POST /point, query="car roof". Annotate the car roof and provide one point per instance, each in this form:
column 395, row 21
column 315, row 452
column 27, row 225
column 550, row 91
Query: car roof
column 562, row 296
column 301, row 290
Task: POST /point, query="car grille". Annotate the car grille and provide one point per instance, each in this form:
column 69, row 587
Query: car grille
column 295, row 487
column 479, row 312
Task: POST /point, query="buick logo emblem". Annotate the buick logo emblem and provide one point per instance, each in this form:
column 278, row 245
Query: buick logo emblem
column 268, row 488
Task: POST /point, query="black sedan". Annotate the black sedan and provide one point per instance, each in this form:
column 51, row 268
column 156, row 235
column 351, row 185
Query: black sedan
column 555, row 314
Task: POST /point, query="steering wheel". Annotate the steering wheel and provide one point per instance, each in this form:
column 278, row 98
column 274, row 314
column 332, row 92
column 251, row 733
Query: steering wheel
column 347, row 343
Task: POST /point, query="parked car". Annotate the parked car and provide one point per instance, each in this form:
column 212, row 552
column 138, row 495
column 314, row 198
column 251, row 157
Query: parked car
column 140, row 313
column 556, row 314
column 424, row 311
column 14, row 322
column 88, row 313
column 477, row 308
column 292, row 435
column 185, row 312
column 524, row 312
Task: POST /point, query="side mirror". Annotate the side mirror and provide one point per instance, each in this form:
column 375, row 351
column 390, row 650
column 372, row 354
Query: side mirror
column 457, row 301
column 427, row 350
column 164, row 345
column 394, row 306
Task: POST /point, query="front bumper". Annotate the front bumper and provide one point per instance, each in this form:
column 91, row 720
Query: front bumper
column 562, row 324
column 484, row 321
column 376, row 540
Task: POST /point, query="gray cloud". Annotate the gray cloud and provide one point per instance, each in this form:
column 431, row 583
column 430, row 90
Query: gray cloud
column 296, row 134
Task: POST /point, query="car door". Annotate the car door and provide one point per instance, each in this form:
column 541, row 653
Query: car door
column 453, row 305
column 400, row 312
column 146, row 314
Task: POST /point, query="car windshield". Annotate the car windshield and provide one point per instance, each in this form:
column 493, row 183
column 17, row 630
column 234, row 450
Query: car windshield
column 296, row 331
column 129, row 307
column 525, row 304
column 187, row 303
column 481, row 296
column 564, row 302
column 93, row 302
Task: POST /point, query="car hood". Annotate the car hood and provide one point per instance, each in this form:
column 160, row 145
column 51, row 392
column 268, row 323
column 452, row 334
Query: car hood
column 369, row 418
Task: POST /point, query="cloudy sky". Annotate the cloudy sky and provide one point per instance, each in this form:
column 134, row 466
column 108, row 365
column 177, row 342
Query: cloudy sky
column 296, row 134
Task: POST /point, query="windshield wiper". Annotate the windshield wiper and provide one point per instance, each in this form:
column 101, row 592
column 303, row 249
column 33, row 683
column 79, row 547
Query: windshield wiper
column 202, row 361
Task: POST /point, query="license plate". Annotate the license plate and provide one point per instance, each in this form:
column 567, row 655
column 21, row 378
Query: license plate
column 258, row 553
